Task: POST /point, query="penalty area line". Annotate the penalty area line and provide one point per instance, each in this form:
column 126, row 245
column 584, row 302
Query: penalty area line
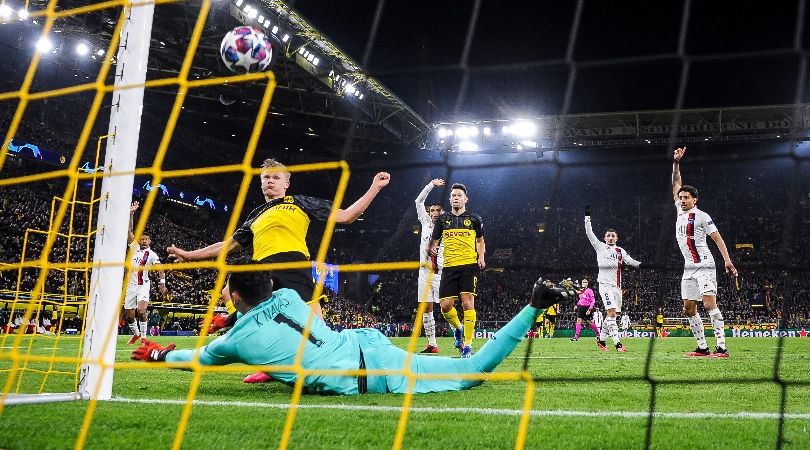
column 480, row 411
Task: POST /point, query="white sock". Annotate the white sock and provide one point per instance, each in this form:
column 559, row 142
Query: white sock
column 134, row 327
column 610, row 325
column 719, row 327
column 429, row 324
column 144, row 328
column 697, row 330
column 603, row 331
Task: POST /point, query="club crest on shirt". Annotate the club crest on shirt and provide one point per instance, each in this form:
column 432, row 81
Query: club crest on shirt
column 467, row 222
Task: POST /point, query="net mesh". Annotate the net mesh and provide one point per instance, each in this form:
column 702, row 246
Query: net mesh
column 68, row 214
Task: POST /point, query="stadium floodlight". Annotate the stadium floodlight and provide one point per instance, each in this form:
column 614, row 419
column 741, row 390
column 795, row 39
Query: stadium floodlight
column 467, row 146
column 285, row 38
column 316, row 61
column 350, row 89
column 301, row 50
column 442, row 132
column 239, row 2
column 523, row 129
column 22, row 13
column 82, row 49
column 247, row 8
column 275, row 29
column 5, row 11
column 357, row 93
column 44, row 44
column 487, row 131
column 505, row 129
column 261, row 18
column 361, row 96
column 253, row 13
column 310, row 57
column 267, row 23
column 100, row 52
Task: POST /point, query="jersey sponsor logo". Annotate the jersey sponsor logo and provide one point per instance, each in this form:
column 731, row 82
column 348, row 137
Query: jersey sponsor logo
column 463, row 233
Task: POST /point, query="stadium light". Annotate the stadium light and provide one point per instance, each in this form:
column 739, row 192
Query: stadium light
column 487, row 131
column 467, row 146
column 5, row 11
column 275, row 29
column 350, row 89
column 247, row 8
column 100, row 52
column 301, row 50
column 252, row 14
column 315, row 61
column 22, row 13
column 505, row 129
column 261, row 18
column 523, row 129
column 44, row 44
column 267, row 23
column 285, row 38
column 310, row 57
column 82, row 49
column 239, row 2
column 361, row 96
column 443, row 132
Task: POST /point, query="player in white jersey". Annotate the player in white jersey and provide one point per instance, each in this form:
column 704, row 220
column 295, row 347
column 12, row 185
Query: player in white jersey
column 430, row 267
column 699, row 281
column 625, row 323
column 137, row 296
column 598, row 318
column 610, row 258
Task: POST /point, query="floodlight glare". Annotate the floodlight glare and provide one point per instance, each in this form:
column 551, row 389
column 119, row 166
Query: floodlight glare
column 261, row 18
column 350, row 89
column 442, row 132
column 22, row 13
column 247, row 8
column 100, row 52
column 5, row 11
column 316, row 61
column 82, row 49
column 252, row 14
column 275, row 29
column 361, row 96
column 267, row 23
column 301, row 50
column 505, row 129
column 468, row 146
column 523, row 129
column 239, row 2
column 285, row 38
column 310, row 57
column 487, row 131
column 44, row 45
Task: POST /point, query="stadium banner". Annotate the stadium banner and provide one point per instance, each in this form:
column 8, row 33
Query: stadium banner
column 730, row 332
column 330, row 273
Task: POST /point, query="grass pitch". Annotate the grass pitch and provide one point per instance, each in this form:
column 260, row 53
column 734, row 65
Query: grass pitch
column 583, row 399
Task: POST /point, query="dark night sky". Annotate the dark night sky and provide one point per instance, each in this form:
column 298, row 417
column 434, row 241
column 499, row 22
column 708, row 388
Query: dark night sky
column 516, row 60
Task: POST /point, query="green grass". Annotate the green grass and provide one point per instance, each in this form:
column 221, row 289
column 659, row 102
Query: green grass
column 586, row 381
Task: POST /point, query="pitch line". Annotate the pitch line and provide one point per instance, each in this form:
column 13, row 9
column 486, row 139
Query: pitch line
column 480, row 411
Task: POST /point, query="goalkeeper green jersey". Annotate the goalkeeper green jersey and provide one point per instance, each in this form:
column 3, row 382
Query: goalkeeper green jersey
column 271, row 332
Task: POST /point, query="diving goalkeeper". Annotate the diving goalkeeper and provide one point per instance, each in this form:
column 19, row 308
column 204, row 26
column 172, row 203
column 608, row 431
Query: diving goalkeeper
column 270, row 328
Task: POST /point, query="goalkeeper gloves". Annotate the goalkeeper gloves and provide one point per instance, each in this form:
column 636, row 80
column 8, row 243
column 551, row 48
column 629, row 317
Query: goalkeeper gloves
column 218, row 322
column 151, row 351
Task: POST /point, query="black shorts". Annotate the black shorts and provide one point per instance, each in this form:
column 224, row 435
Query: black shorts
column 299, row 280
column 458, row 280
column 582, row 313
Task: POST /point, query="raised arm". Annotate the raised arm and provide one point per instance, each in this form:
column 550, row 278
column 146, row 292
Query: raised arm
column 203, row 253
column 132, row 208
column 676, row 171
column 357, row 208
column 721, row 245
column 421, row 213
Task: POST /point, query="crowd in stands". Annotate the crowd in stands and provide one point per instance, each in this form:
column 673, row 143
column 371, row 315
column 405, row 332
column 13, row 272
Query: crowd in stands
column 533, row 224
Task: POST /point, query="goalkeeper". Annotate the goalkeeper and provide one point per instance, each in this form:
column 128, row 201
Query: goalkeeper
column 270, row 327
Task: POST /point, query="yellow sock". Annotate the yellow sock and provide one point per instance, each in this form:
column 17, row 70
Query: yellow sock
column 551, row 328
column 469, row 326
column 452, row 318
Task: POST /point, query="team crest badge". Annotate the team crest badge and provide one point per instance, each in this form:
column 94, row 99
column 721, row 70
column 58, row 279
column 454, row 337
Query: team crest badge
column 467, row 222
column 288, row 199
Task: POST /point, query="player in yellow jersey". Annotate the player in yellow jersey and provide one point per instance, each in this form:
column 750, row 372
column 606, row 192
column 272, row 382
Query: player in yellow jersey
column 462, row 234
column 550, row 322
column 277, row 230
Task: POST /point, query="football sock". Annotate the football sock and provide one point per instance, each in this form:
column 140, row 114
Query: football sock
column 595, row 329
column 697, row 330
column 452, row 318
column 578, row 328
column 612, row 330
column 719, row 327
column 603, row 332
column 429, row 324
column 134, row 327
column 144, row 328
column 469, row 326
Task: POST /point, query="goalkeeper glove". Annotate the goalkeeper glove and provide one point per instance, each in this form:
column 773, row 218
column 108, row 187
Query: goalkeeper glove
column 218, row 322
column 151, row 351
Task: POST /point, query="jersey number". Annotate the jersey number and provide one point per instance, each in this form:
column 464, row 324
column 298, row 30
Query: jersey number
column 287, row 320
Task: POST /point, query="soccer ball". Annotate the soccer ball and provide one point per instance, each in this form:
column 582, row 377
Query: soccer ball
column 246, row 49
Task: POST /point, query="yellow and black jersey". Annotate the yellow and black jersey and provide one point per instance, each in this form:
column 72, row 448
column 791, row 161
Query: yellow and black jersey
column 458, row 233
column 659, row 319
column 551, row 310
column 280, row 225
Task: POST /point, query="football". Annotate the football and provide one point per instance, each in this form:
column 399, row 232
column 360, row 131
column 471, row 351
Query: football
column 246, row 49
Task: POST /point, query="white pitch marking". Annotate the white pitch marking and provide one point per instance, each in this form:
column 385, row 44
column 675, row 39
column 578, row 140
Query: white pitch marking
column 482, row 411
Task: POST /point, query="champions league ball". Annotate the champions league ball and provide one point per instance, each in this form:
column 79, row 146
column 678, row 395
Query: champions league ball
column 246, row 49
